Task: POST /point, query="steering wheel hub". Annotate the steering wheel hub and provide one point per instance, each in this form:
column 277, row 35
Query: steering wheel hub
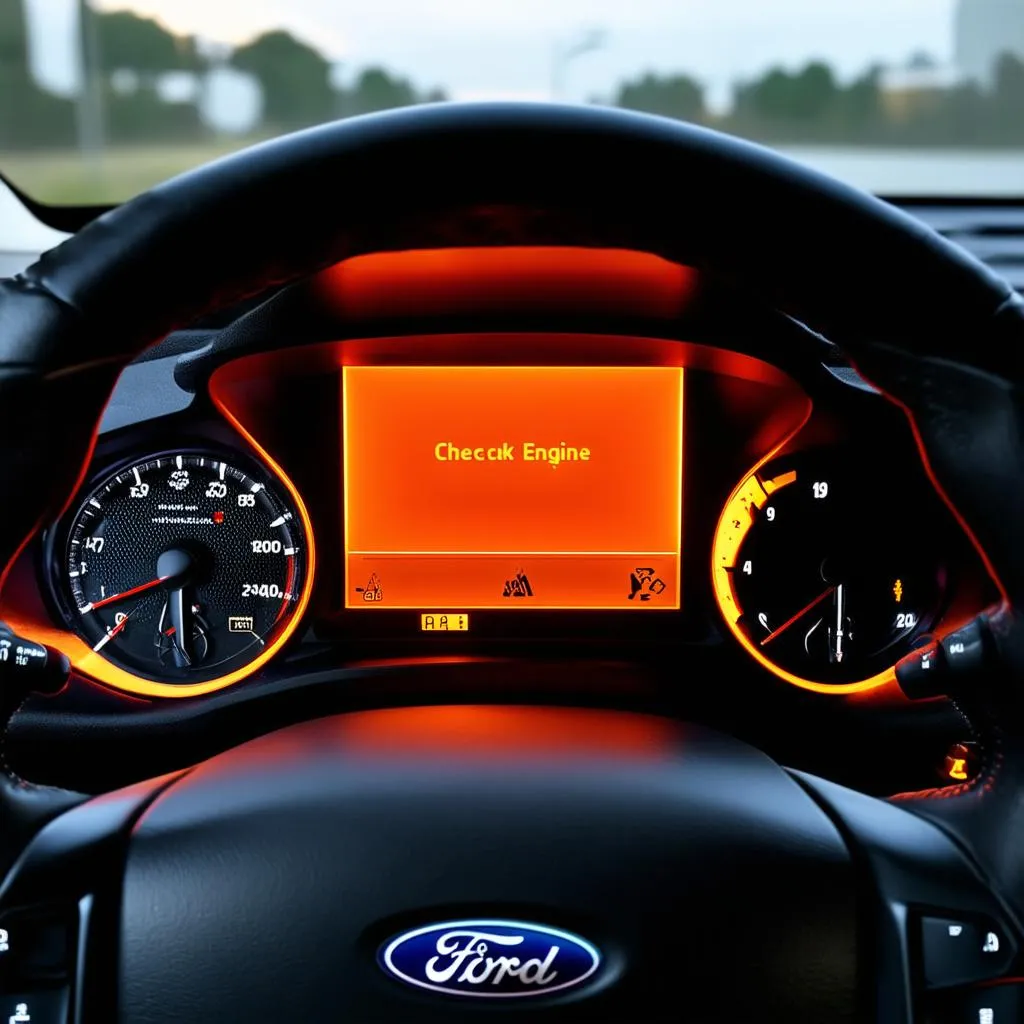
column 612, row 876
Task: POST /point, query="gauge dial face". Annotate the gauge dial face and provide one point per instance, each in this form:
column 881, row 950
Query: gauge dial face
column 822, row 582
column 186, row 567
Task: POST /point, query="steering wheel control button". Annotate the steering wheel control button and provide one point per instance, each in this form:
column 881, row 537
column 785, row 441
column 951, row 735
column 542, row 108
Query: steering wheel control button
column 986, row 1004
column 929, row 671
column 921, row 672
column 30, row 666
column 35, row 950
column 959, row 952
column 34, row 1008
column 964, row 650
column 35, row 966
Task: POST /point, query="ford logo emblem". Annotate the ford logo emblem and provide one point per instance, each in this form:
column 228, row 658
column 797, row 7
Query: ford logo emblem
column 490, row 959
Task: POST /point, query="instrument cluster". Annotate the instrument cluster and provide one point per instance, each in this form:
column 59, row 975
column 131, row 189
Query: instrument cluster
column 461, row 497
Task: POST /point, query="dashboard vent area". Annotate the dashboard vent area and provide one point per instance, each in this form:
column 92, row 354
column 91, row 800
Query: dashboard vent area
column 994, row 233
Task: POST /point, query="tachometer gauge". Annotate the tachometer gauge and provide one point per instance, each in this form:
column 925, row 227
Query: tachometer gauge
column 187, row 567
column 819, row 576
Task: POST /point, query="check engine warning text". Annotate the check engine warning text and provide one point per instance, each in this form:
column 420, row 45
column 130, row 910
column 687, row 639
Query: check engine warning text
column 528, row 451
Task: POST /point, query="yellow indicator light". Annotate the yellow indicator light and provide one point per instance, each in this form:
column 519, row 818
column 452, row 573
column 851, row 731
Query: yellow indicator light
column 444, row 622
column 897, row 591
column 958, row 768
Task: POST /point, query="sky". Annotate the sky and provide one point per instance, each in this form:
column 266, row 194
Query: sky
column 480, row 49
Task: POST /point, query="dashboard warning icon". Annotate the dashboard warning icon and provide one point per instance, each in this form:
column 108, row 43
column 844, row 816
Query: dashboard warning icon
column 518, row 586
column 372, row 591
column 644, row 584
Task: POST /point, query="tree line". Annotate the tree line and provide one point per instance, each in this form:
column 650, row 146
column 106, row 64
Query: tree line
column 809, row 105
column 133, row 53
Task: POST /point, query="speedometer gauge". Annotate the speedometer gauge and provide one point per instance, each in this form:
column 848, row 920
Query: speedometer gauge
column 187, row 567
column 819, row 577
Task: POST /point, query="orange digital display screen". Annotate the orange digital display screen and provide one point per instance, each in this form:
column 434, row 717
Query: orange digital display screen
column 513, row 487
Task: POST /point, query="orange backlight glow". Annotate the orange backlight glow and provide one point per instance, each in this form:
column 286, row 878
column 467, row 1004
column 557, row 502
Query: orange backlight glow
column 513, row 486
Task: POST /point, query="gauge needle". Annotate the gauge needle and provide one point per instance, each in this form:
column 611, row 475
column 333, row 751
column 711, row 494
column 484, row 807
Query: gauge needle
column 141, row 588
column 111, row 633
column 839, row 623
column 799, row 615
column 181, row 626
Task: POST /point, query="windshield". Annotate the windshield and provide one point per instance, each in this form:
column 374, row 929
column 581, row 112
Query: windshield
column 103, row 98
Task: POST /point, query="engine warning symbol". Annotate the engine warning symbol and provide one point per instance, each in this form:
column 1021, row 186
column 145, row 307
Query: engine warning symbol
column 518, row 586
column 644, row 584
column 372, row 591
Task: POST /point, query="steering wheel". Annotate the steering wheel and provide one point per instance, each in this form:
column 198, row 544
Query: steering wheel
column 655, row 871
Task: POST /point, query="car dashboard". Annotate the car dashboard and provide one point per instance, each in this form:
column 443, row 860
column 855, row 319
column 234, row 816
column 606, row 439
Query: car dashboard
column 575, row 476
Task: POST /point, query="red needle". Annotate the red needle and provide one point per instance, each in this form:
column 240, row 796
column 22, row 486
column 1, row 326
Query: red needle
column 128, row 593
column 117, row 629
column 803, row 611
column 111, row 633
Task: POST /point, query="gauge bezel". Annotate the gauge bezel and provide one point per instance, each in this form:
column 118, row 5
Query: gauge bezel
column 103, row 670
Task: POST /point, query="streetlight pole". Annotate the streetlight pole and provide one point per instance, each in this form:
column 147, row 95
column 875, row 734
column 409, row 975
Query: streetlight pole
column 89, row 108
column 565, row 53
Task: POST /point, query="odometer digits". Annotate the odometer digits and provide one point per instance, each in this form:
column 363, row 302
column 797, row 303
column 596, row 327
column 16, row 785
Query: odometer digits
column 187, row 567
